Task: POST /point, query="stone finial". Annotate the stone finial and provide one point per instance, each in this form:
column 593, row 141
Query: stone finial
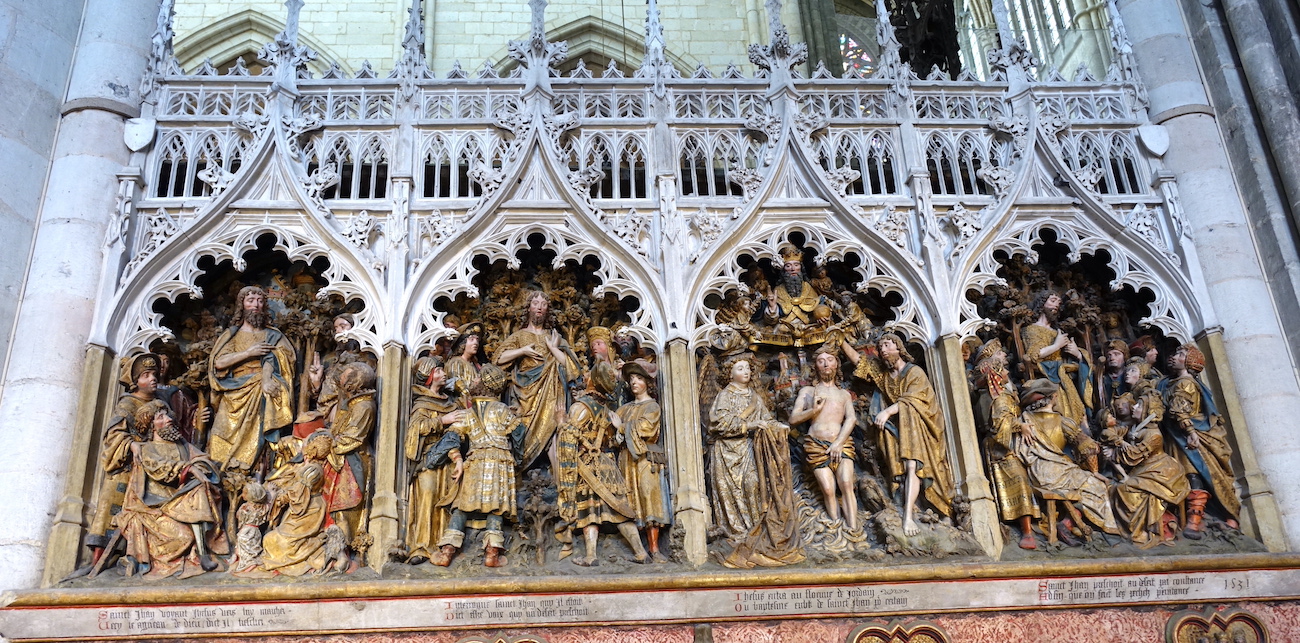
column 890, row 63
column 538, row 57
column 162, row 59
column 655, row 65
column 778, row 59
column 286, row 56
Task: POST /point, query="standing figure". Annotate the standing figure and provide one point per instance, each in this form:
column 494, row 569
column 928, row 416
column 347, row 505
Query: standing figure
column 432, row 411
column 542, row 367
column 753, row 486
column 1045, row 436
column 1154, row 480
column 171, row 516
column 737, row 411
column 484, row 479
column 347, row 469
column 643, row 460
column 592, row 490
column 912, row 430
column 1000, row 411
column 323, row 378
column 1193, row 422
column 251, row 373
column 463, row 365
column 1044, row 343
column 828, row 446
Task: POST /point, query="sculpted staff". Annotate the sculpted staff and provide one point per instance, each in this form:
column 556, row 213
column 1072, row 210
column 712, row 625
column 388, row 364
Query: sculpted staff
column 542, row 366
column 911, row 427
column 250, row 371
column 827, row 444
column 1194, row 424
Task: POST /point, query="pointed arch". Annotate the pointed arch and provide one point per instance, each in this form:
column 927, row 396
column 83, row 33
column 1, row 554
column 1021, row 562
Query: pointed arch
column 452, row 273
column 941, row 161
column 241, row 33
column 840, row 228
column 172, row 175
column 597, row 38
column 1087, row 226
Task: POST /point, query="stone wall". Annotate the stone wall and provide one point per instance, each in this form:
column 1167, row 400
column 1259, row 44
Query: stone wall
column 711, row 33
column 36, row 48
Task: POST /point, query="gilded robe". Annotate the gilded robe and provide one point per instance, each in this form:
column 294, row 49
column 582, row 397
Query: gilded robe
column 1054, row 473
column 644, row 462
column 753, row 485
column 244, row 413
column 592, row 490
column 1190, row 407
column 115, row 460
column 540, row 387
column 1010, row 479
column 172, row 485
column 915, row 433
column 347, row 469
column 459, row 368
column 426, row 519
column 1074, row 378
column 297, row 543
column 493, row 434
column 795, row 310
column 735, row 413
column 1155, row 480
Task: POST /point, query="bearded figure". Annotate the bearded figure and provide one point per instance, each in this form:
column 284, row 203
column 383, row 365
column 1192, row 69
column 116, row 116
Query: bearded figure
column 171, row 513
column 1052, row 354
column 792, row 303
column 542, row 368
column 251, row 373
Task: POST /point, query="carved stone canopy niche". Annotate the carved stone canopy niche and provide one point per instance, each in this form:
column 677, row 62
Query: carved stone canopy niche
column 1066, row 333
column 572, row 287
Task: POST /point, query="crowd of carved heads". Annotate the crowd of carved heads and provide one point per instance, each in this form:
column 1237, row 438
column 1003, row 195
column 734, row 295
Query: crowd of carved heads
column 1092, row 310
column 295, row 304
column 571, row 289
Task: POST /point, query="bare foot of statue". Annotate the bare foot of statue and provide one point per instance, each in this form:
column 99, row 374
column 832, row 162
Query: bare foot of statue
column 586, row 561
column 910, row 528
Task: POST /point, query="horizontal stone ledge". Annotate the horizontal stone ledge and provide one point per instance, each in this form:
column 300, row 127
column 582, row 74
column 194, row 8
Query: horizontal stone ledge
column 777, row 600
column 901, row 573
column 124, row 110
